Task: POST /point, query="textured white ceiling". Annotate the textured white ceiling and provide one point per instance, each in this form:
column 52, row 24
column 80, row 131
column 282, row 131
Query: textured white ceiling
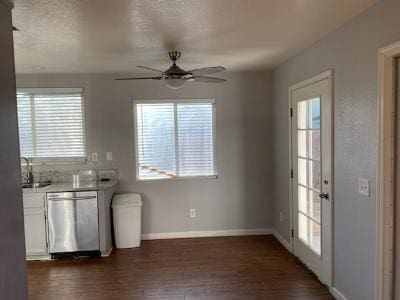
column 103, row 36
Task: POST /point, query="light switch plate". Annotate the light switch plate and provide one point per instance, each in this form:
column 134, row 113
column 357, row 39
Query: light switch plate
column 363, row 187
column 192, row 212
column 94, row 156
column 109, row 155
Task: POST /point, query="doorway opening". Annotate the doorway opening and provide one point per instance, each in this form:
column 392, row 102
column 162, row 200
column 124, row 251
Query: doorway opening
column 388, row 204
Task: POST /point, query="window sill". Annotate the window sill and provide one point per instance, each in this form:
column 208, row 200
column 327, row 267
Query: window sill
column 59, row 161
column 177, row 178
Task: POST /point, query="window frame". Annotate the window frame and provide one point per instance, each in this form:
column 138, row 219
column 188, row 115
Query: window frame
column 60, row 160
column 176, row 101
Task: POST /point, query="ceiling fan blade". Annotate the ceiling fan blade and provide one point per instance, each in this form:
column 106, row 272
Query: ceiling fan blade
column 207, row 79
column 149, row 69
column 207, row 71
column 138, row 78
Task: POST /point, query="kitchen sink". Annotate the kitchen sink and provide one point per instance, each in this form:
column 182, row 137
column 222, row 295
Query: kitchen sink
column 35, row 185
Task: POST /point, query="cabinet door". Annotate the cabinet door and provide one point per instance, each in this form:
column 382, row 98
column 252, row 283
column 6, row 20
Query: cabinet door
column 35, row 232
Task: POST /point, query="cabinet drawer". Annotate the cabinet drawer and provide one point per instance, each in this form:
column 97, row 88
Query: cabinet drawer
column 34, row 200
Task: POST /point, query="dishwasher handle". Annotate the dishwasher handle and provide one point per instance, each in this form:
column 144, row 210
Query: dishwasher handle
column 71, row 198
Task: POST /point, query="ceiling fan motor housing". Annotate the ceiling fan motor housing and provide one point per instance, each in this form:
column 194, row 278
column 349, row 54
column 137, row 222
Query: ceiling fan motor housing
column 175, row 72
column 174, row 55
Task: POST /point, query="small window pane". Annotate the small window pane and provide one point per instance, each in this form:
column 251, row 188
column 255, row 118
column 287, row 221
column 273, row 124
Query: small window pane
column 156, row 141
column 314, row 144
column 302, row 143
column 302, row 196
column 195, row 139
column 315, row 238
column 315, row 175
column 314, row 113
column 303, row 228
column 315, row 206
column 302, row 115
column 302, row 171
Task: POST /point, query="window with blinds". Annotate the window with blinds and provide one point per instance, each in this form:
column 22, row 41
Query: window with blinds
column 175, row 139
column 51, row 124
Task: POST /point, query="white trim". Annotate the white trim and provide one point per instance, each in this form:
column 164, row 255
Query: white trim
column 107, row 252
column 175, row 102
column 210, row 233
column 317, row 78
column 282, row 240
column 178, row 178
column 337, row 294
column 57, row 160
column 384, row 208
column 180, row 100
column 38, row 257
column 325, row 75
column 51, row 90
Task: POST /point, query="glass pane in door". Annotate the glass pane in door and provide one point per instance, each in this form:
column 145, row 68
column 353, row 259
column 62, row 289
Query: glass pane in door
column 309, row 173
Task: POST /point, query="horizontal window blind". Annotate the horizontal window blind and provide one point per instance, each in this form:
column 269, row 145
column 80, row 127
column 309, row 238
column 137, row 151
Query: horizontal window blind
column 175, row 139
column 156, row 140
column 51, row 124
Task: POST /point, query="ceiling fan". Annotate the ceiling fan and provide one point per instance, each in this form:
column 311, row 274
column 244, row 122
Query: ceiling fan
column 175, row 77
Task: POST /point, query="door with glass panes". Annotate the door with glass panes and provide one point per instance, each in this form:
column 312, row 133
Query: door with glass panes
column 312, row 178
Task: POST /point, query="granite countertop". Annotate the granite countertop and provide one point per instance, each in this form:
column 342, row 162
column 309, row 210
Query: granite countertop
column 71, row 187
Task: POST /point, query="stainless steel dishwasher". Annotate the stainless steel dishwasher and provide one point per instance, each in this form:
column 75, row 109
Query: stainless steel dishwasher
column 73, row 220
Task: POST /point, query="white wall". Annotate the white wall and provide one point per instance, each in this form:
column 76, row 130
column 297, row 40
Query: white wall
column 352, row 52
column 241, row 197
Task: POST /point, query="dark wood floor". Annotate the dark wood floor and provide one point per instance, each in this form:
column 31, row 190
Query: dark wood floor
column 253, row 267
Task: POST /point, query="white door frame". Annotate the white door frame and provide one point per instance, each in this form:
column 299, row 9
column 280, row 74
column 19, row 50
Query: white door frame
column 384, row 203
column 325, row 75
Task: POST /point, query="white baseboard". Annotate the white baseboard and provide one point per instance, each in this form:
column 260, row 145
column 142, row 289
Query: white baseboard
column 210, row 233
column 107, row 252
column 338, row 295
column 282, row 240
column 38, row 257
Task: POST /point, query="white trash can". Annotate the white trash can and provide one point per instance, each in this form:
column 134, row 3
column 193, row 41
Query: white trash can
column 127, row 215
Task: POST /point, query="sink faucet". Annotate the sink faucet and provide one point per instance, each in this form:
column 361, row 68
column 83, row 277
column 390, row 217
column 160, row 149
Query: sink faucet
column 29, row 175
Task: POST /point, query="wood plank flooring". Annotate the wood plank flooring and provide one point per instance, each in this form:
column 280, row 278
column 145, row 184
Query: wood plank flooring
column 250, row 267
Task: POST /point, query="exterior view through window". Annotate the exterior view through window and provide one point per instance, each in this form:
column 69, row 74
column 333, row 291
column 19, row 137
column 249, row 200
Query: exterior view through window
column 51, row 124
column 309, row 172
column 175, row 139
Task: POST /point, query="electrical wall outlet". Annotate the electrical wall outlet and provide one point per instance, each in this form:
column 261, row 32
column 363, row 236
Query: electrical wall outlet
column 281, row 216
column 108, row 155
column 94, row 156
column 192, row 213
column 363, row 187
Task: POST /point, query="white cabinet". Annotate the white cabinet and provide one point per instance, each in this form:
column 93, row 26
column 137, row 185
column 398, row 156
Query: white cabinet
column 35, row 224
column 35, row 232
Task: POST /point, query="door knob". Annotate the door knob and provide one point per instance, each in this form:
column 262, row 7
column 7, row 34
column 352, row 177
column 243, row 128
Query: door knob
column 324, row 196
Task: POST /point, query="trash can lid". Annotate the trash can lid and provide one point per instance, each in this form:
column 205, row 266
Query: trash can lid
column 128, row 199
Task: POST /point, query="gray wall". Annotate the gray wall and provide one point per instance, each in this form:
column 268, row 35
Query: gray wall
column 12, row 248
column 241, row 196
column 352, row 52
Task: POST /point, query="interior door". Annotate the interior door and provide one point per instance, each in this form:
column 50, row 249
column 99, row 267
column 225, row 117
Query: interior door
column 312, row 178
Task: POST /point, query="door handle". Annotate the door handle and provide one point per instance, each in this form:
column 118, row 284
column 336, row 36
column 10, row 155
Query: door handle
column 324, row 196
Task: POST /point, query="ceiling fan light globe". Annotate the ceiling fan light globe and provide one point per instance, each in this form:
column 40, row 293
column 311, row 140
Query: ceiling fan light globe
column 174, row 83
